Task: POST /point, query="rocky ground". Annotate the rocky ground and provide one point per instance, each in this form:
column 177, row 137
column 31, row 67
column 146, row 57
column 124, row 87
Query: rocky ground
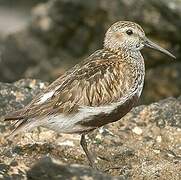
column 145, row 144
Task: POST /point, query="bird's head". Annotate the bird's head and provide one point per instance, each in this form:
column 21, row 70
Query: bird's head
column 129, row 36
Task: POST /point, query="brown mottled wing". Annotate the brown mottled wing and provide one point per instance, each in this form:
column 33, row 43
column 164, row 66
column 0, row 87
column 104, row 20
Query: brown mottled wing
column 97, row 81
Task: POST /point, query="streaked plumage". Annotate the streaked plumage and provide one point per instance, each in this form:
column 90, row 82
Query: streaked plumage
column 99, row 90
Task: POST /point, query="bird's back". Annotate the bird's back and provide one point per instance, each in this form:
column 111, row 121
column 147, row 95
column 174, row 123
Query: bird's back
column 96, row 87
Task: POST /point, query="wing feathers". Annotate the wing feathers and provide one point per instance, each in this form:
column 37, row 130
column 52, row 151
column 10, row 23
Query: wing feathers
column 15, row 115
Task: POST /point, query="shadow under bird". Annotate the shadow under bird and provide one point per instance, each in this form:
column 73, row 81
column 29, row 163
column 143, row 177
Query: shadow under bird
column 99, row 90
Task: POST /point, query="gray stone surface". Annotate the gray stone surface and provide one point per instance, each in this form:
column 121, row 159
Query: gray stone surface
column 16, row 95
column 145, row 144
column 50, row 169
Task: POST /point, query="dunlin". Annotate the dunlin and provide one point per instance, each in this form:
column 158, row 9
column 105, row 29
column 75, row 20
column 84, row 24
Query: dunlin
column 99, row 90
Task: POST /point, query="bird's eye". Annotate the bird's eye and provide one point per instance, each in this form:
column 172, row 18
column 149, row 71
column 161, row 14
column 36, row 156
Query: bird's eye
column 129, row 32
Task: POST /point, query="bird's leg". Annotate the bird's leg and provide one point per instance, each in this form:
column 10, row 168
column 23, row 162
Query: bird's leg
column 83, row 143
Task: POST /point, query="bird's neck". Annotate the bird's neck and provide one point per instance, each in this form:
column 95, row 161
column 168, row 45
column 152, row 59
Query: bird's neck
column 128, row 54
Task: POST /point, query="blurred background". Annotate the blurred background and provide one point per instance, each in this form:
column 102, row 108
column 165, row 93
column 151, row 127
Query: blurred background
column 41, row 39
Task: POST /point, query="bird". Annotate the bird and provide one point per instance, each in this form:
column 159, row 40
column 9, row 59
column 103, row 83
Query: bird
column 99, row 90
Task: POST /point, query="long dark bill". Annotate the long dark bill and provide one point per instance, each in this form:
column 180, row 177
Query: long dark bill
column 152, row 45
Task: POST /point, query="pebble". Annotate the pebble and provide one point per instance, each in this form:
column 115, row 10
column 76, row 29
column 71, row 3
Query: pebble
column 137, row 130
column 67, row 143
column 159, row 139
column 157, row 151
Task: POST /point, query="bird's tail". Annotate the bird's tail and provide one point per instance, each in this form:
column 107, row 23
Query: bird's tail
column 19, row 122
column 15, row 115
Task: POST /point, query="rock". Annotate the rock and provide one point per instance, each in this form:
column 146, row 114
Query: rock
column 14, row 15
column 56, row 38
column 161, row 82
column 51, row 169
column 153, row 153
column 18, row 94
